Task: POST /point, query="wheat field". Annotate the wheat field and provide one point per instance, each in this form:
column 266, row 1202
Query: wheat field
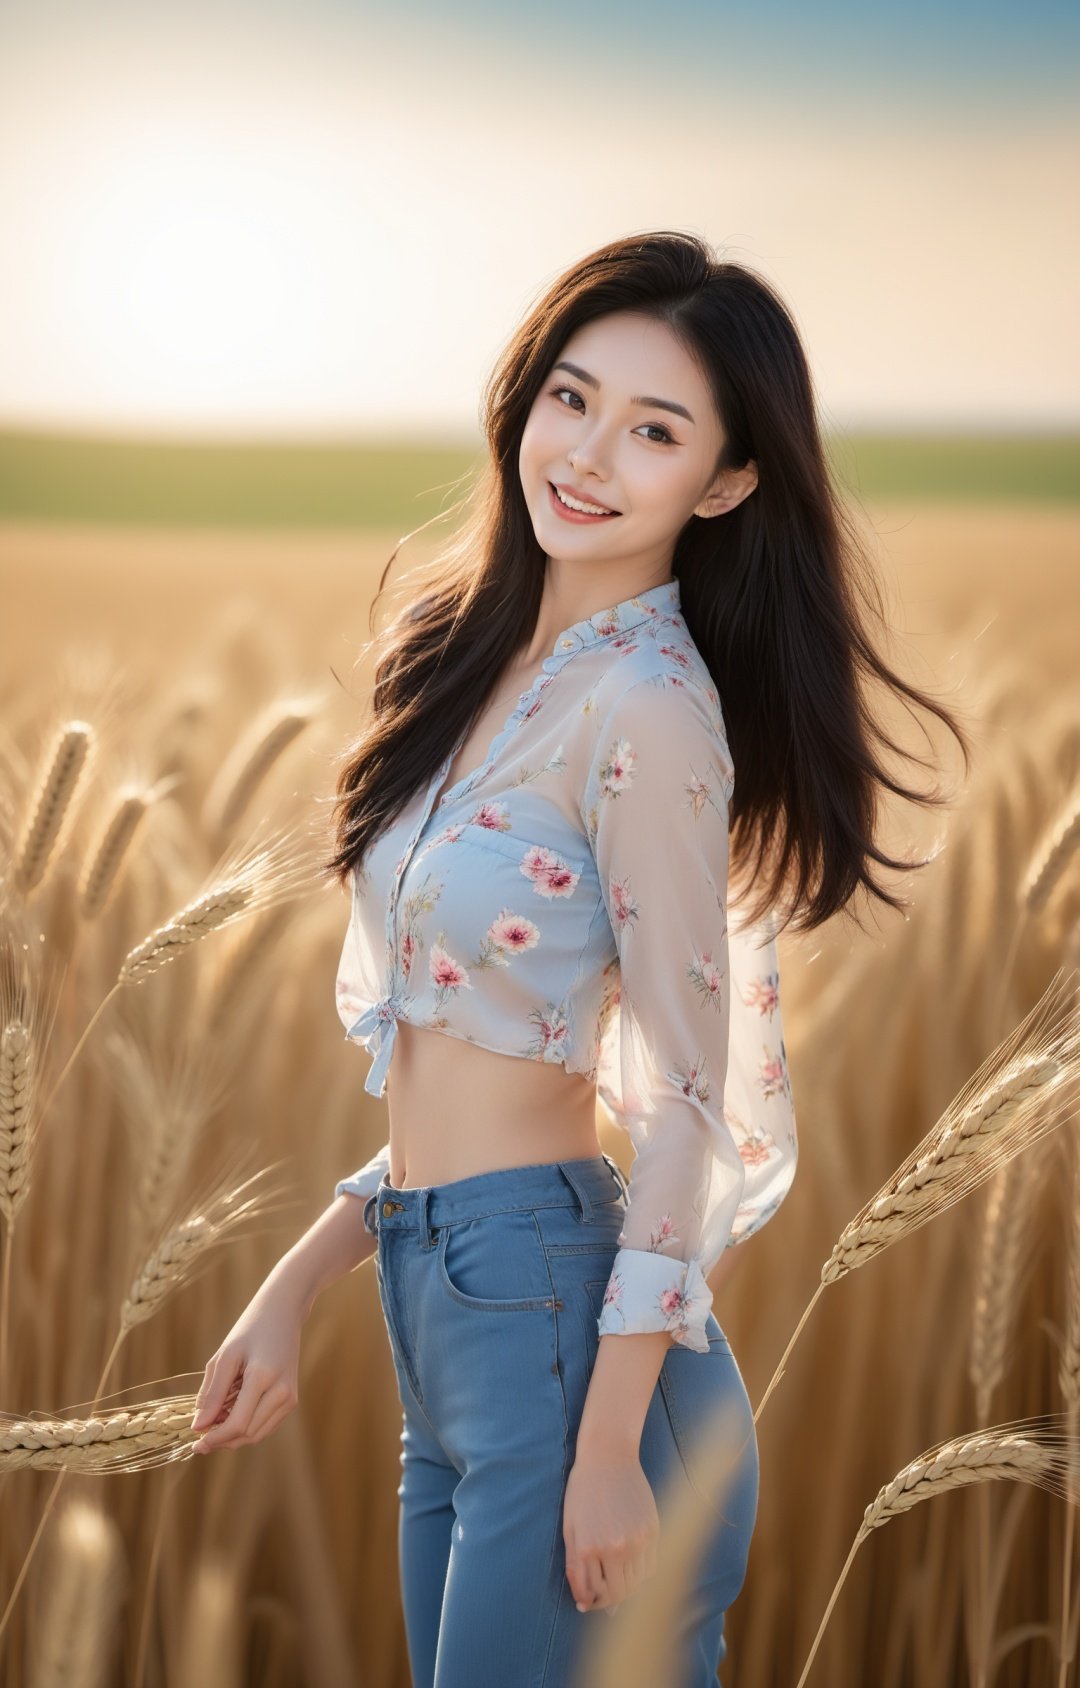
column 176, row 1103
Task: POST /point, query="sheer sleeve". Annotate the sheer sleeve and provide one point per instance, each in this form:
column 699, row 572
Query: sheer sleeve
column 656, row 814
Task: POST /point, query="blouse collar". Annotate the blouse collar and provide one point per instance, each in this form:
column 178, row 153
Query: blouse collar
column 657, row 603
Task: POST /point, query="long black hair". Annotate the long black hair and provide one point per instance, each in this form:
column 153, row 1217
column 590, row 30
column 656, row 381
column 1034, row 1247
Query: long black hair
column 772, row 593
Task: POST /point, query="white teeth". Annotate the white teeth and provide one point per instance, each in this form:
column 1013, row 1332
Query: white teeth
column 575, row 504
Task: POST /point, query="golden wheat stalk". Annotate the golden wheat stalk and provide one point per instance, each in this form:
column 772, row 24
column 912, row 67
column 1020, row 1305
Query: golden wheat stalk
column 1024, row 1451
column 105, row 857
column 61, row 773
column 196, row 920
column 1052, row 857
column 1005, row 1246
column 126, row 1439
column 17, row 1116
column 245, row 769
column 253, row 876
column 1020, row 1092
column 186, row 1244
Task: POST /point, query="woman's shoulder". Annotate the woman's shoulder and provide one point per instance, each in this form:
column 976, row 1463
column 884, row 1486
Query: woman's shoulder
column 663, row 671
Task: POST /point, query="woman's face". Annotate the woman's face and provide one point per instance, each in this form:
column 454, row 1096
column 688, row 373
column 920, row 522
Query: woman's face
column 630, row 427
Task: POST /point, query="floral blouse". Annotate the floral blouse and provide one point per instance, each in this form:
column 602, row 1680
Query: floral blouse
column 568, row 902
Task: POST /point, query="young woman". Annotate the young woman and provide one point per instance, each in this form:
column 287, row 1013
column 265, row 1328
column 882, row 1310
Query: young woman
column 642, row 652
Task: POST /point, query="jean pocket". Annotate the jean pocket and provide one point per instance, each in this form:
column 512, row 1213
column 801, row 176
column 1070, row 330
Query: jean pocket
column 501, row 1252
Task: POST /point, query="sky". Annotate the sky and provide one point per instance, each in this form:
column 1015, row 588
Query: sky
column 316, row 218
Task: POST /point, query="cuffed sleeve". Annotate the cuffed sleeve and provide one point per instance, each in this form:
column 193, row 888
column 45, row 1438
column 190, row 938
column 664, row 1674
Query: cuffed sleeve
column 366, row 1181
column 656, row 813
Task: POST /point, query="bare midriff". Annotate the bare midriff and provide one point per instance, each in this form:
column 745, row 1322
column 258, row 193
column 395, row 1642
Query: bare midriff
column 457, row 1109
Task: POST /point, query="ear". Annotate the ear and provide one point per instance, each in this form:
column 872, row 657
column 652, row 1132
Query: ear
column 729, row 488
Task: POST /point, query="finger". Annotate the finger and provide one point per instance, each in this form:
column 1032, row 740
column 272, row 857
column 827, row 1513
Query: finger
column 209, row 1423
column 578, row 1575
column 269, row 1413
column 615, row 1586
column 239, row 1416
column 222, row 1378
column 594, row 1582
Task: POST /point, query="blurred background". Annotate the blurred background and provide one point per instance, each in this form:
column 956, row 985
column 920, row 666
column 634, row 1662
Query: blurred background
column 259, row 261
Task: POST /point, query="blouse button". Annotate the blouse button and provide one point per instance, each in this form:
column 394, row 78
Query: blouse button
column 567, row 643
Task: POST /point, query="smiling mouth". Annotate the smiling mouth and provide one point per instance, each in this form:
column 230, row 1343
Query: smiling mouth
column 580, row 507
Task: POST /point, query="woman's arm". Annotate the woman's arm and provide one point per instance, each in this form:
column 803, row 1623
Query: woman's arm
column 336, row 1243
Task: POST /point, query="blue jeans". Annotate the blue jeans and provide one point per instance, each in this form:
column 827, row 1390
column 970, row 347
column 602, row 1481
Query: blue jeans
column 491, row 1288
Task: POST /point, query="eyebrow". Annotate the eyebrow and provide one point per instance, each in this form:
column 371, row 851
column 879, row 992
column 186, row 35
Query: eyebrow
column 655, row 404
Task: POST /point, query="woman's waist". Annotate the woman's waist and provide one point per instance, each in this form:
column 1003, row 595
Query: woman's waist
column 458, row 1109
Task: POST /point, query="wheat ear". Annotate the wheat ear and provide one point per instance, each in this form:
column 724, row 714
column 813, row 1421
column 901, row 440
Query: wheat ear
column 196, row 920
column 126, row 1439
column 17, row 1059
column 185, row 1245
column 256, row 877
column 245, row 769
column 1005, row 1243
column 56, row 788
column 1052, row 857
column 105, row 858
column 1024, row 1451
column 1019, row 1093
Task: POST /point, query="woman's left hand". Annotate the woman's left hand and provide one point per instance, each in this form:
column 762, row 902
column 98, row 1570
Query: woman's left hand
column 611, row 1529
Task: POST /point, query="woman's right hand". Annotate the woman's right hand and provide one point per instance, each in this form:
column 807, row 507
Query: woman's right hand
column 251, row 1383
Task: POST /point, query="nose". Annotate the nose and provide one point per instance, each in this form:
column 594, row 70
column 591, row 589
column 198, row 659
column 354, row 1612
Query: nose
column 586, row 458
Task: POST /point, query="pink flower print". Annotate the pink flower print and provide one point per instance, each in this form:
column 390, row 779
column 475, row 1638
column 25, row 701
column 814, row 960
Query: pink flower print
column 605, row 623
column 618, row 770
column 665, row 1232
column 624, row 910
column 513, row 932
column 509, row 934
column 694, row 1081
column 626, row 643
column 756, row 1151
column 673, row 1304
column 699, row 795
column 677, row 654
column 449, row 835
column 552, row 1031
column 408, row 950
column 613, row 1292
column 446, row 973
column 495, row 816
column 763, row 993
column 772, row 1074
column 550, row 875
column 708, row 979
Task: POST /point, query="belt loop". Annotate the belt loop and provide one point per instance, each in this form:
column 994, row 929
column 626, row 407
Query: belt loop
column 580, row 1192
column 422, row 1217
column 617, row 1174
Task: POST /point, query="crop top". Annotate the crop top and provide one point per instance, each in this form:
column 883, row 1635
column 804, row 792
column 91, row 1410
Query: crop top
column 567, row 901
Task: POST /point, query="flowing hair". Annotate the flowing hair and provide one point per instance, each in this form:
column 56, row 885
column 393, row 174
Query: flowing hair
column 775, row 594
